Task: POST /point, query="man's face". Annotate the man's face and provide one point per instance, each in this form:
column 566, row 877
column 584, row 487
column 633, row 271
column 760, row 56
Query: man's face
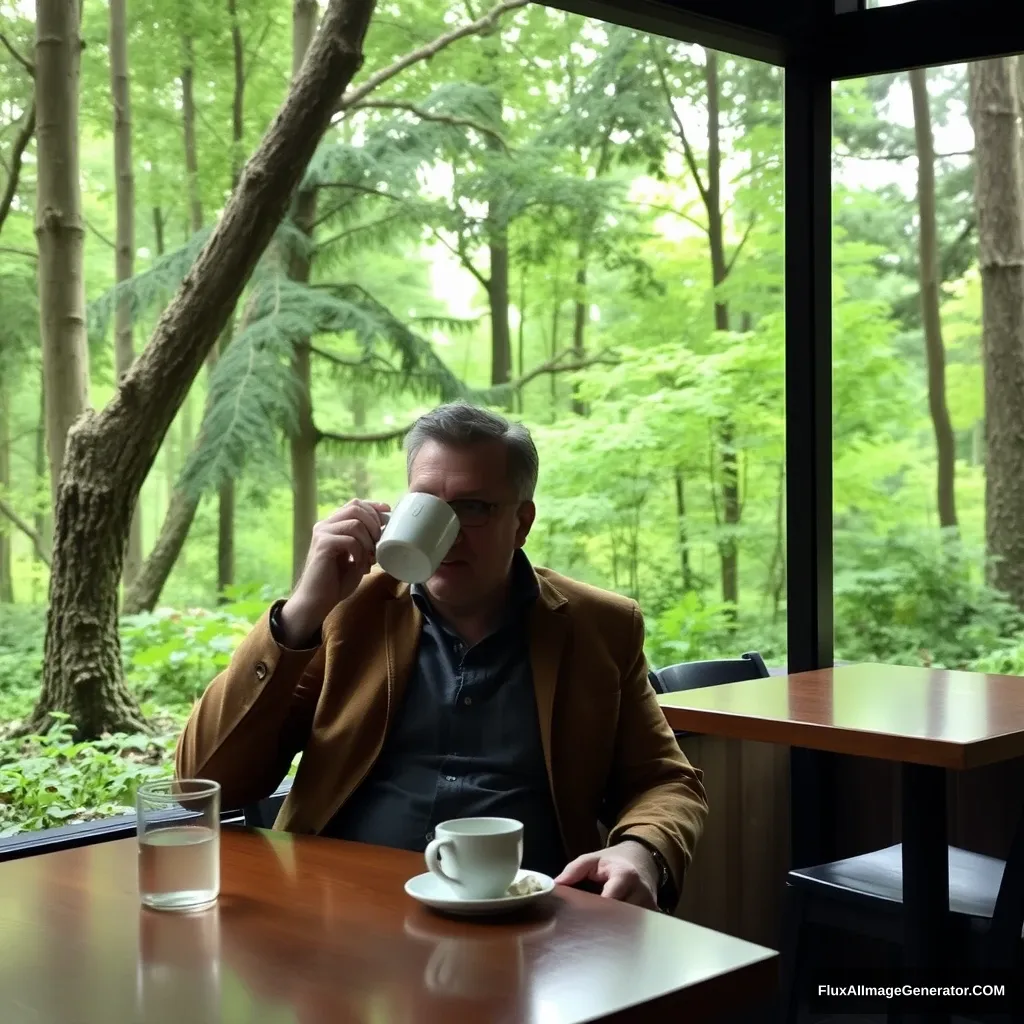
column 479, row 561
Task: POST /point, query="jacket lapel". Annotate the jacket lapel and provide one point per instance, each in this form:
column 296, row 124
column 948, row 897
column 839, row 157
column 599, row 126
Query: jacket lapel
column 549, row 632
column 402, row 622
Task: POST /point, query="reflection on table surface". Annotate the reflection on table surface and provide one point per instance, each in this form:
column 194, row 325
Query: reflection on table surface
column 310, row 930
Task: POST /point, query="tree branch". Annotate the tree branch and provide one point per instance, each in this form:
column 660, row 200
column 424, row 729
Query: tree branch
column 427, row 115
column 27, row 253
column 23, row 61
column 459, row 253
column 678, row 213
column 739, row 247
column 20, row 523
column 17, row 152
column 99, row 234
column 691, row 158
column 554, row 365
column 328, row 242
column 425, row 52
column 379, row 438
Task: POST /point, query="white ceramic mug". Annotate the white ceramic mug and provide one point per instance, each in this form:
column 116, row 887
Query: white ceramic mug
column 477, row 857
column 418, row 534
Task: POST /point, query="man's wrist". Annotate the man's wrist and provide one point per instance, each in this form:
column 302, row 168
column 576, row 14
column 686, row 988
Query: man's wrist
column 294, row 631
column 664, row 884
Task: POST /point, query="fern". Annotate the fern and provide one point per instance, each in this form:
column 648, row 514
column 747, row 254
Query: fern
column 252, row 395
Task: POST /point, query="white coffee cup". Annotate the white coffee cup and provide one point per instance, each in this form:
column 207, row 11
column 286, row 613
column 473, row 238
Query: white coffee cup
column 418, row 534
column 477, row 857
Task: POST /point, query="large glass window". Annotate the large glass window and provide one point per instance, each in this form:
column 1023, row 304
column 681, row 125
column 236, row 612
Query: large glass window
column 928, row 441
column 570, row 222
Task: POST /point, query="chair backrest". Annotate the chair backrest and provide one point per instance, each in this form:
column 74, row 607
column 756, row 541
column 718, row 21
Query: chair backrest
column 691, row 675
column 263, row 814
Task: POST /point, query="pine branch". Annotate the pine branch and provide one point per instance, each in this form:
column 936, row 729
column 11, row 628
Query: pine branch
column 477, row 27
column 348, row 233
column 427, row 115
column 20, row 523
column 17, row 152
column 23, row 61
column 383, row 437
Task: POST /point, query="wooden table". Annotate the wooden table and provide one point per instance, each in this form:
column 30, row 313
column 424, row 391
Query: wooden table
column 926, row 720
column 318, row 931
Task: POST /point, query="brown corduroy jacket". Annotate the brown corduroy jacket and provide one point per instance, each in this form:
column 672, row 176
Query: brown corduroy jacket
column 610, row 753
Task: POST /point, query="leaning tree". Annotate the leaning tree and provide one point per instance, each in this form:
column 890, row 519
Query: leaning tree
column 109, row 453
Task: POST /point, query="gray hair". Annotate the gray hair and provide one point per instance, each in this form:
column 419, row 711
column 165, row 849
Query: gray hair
column 458, row 424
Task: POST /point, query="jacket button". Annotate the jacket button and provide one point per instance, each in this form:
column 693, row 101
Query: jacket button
column 261, row 671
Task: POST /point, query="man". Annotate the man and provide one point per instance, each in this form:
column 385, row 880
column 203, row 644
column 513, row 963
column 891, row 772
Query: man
column 492, row 689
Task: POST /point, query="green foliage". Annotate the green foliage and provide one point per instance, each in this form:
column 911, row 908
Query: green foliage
column 557, row 140
column 48, row 781
column 905, row 599
column 171, row 656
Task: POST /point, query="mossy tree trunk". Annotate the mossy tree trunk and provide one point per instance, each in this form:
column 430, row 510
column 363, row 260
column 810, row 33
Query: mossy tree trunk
column 110, row 452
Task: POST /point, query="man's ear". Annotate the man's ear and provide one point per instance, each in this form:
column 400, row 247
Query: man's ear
column 526, row 514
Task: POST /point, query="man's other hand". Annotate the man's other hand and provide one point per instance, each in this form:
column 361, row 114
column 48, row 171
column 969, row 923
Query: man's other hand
column 627, row 872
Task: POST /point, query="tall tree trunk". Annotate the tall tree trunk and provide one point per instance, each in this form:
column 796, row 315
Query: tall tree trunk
column 580, row 316
column 226, row 491
column 582, row 304
column 124, row 253
column 360, row 475
column 158, row 230
column 188, row 120
column 684, row 533
column 60, row 231
column 521, row 339
column 729, row 484
column 6, row 568
column 303, row 441
column 40, row 520
column 935, row 353
column 145, row 590
column 149, row 582
column 498, row 299
column 111, row 451
column 999, row 201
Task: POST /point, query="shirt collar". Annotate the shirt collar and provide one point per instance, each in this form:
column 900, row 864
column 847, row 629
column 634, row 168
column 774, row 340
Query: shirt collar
column 523, row 589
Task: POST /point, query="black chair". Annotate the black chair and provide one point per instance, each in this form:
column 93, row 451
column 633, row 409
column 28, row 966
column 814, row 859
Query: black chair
column 693, row 675
column 263, row 813
column 864, row 895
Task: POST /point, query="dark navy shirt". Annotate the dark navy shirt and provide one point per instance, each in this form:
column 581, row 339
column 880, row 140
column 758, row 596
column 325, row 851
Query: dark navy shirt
column 465, row 741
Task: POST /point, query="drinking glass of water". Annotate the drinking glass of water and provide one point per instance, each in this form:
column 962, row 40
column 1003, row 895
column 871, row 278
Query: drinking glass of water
column 178, row 824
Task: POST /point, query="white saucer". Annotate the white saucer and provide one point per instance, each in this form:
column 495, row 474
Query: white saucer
column 432, row 892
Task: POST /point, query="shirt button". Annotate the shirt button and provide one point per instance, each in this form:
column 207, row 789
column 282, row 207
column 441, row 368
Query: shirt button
column 449, row 778
column 467, row 701
column 430, row 837
column 261, row 671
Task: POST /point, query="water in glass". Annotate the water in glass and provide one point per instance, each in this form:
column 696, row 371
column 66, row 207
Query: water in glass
column 179, row 843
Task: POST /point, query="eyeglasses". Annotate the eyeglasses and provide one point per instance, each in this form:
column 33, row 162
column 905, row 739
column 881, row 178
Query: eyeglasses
column 475, row 512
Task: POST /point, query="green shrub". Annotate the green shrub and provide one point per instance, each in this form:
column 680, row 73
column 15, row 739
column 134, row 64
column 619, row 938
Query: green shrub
column 48, row 781
column 915, row 599
column 170, row 656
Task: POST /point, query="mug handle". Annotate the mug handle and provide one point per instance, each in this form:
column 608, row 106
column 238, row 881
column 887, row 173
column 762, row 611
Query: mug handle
column 432, row 855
